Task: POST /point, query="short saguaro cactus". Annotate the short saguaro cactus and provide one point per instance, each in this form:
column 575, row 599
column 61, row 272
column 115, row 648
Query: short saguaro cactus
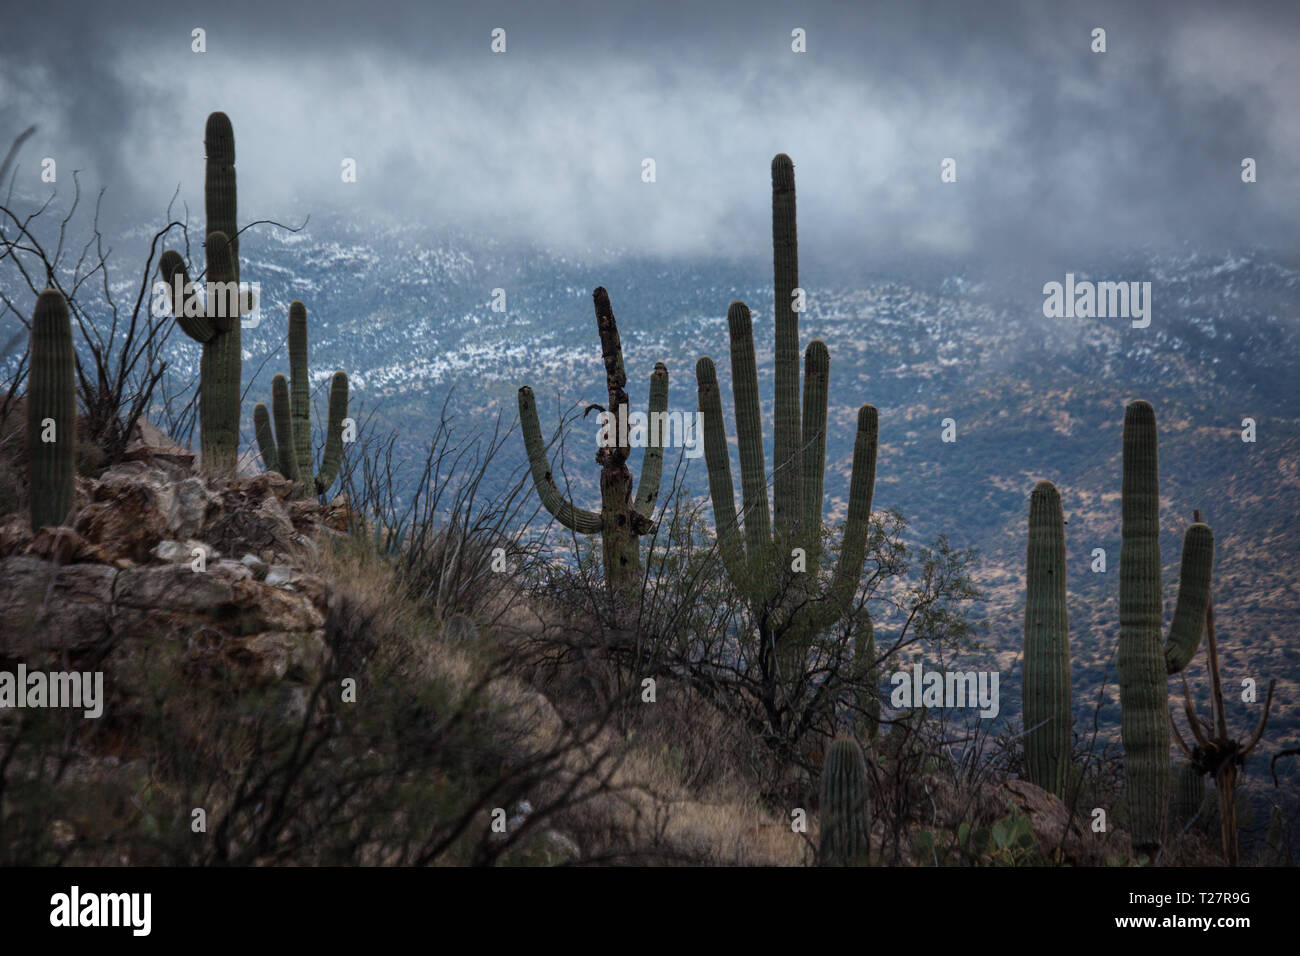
column 51, row 413
column 845, row 821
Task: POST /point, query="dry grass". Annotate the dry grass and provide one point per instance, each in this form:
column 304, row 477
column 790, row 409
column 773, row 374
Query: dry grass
column 682, row 802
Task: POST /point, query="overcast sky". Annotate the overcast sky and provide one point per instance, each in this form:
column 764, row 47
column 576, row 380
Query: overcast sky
column 1057, row 147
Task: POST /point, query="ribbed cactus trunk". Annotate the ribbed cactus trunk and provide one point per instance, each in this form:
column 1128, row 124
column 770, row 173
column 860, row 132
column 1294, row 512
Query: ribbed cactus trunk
column 1047, row 704
column 619, row 539
column 224, row 354
column 845, row 813
column 51, row 413
column 1144, row 662
column 623, row 519
column 300, row 387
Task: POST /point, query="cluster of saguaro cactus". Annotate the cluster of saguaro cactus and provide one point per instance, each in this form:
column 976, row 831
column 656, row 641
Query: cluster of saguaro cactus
column 1145, row 662
column 216, row 326
column 51, row 412
column 287, row 449
column 622, row 519
column 845, row 821
column 766, row 566
column 1047, row 703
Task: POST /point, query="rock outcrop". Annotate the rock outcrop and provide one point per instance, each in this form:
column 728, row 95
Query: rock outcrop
column 206, row 576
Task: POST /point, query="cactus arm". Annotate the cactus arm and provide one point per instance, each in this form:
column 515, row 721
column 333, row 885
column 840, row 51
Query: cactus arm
column 853, row 550
column 52, row 394
column 300, row 388
column 717, row 460
column 787, row 446
column 1194, row 579
column 329, row 466
column 868, row 679
column 283, row 413
column 1047, row 705
column 575, row 519
column 196, row 327
column 652, row 464
column 749, row 435
column 265, row 437
column 815, row 383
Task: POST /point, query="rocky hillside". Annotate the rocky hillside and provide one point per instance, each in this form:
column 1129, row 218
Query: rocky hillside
column 205, row 658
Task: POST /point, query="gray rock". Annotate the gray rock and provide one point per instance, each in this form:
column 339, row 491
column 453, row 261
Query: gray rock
column 256, row 565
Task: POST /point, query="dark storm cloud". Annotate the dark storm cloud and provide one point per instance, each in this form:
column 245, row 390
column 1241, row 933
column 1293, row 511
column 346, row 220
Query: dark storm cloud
column 1059, row 150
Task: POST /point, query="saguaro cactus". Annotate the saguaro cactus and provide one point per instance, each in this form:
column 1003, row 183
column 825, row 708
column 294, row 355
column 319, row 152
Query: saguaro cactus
column 1047, row 704
column 622, row 519
column 1215, row 752
column 288, row 449
column 845, row 822
column 1144, row 661
column 215, row 327
column 51, row 412
column 763, row 566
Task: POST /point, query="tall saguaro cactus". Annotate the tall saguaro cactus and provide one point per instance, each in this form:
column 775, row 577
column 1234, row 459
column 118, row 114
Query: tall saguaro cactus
column 845, row 830
column 622, row 518
column 759, row 565
column 51, row 412
column 288, row 449
column 1047, row 704
column 1145, row 662
column 216, row 327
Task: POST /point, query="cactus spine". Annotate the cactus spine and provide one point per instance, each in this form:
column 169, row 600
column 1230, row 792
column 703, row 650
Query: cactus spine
column 756, row 564
column 287, row 449
column 1144, row 661
column 216, row 328
column 51, row 412
column 845, row 829
column 1047, row 705
column 622, row 519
